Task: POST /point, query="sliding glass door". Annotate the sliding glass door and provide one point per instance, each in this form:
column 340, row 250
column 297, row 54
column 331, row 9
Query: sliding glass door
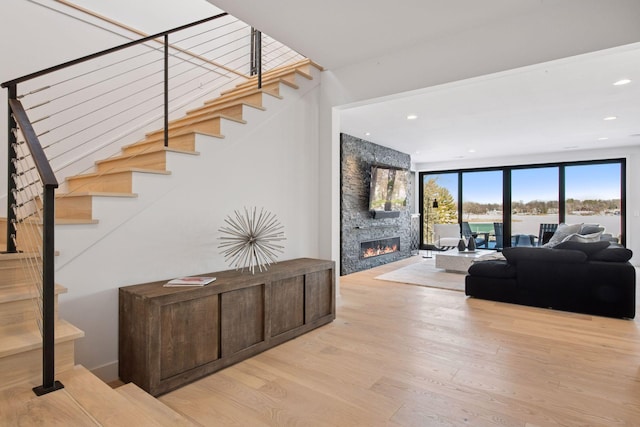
column 482, row 205
column 517, row 202
column 439, row 203
column 534, row 201
column 593, row 195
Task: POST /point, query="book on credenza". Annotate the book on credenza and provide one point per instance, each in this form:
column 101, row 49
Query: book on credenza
column 189, row 281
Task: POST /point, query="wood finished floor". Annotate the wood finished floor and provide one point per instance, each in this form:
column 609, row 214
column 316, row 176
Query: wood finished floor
column 403, row 355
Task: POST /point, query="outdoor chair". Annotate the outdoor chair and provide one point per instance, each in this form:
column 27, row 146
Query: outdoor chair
column 546, row 231
column 467, row 233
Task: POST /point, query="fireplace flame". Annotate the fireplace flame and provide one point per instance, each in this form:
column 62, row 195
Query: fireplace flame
column 380, row 250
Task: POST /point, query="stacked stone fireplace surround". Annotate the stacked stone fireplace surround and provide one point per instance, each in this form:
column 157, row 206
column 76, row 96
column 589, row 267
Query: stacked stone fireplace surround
column 359, row 231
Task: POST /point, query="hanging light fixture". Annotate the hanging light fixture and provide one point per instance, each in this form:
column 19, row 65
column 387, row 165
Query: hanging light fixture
column 430, row 246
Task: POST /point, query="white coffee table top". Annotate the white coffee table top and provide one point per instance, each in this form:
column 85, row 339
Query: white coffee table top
column 454, row 260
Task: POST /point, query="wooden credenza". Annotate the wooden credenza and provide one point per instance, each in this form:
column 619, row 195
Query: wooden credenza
column 169, row 337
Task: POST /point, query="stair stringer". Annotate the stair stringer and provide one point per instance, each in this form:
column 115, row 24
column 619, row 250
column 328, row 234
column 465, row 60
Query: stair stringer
column 171, row 228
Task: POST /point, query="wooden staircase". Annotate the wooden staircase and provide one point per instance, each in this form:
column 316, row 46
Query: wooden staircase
column 86, row 400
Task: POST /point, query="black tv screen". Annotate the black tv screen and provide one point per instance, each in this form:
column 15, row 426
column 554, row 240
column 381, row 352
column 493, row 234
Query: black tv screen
column 388, row 188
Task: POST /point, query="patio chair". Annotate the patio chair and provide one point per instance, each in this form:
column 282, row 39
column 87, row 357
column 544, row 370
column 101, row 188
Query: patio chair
column 467, row 233
column 499, row 232
column 546, row 231
column 498, row 228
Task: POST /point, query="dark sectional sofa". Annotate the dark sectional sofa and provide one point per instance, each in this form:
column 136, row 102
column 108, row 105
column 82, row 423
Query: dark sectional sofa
column 593, row 278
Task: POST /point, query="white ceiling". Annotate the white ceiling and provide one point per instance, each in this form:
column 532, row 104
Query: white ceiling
column 548, row 107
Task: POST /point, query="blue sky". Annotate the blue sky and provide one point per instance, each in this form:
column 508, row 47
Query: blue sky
column 600, row 181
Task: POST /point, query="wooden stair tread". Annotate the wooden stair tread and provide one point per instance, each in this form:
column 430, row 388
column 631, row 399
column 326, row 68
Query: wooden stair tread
column 160, row 412
column 22, row 291
column 238, row 93
column 275, row 75
column 160, row 137
column 176, row 126
column 104, row 404
column 272, row 87
column 190, row 119
column 16, row 256
column 155, row 150
column 223, row 105
column 19, row 406
column 139, row 170
column 75, row 221
column 21, row 337
column 94, row 194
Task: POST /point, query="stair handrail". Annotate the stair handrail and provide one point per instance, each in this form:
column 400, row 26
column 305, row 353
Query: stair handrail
column 50, row 183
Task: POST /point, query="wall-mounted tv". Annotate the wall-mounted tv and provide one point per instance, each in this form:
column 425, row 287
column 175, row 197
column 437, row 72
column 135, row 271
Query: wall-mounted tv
column 388, row 192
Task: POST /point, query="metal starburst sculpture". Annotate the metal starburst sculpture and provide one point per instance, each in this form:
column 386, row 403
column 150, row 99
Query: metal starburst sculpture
column 249, row 240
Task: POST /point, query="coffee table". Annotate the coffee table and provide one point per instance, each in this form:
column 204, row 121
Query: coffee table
column 458, row 262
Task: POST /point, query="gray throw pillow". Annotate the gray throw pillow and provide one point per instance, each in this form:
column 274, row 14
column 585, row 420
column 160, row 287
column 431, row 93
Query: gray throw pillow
column 561, row 233
column 591, row 228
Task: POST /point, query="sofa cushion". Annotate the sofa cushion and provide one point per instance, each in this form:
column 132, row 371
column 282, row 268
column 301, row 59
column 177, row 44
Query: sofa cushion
column 493, row 268
column 588, row 248
column 562, row 232
column 612, row 254
column 523, row 253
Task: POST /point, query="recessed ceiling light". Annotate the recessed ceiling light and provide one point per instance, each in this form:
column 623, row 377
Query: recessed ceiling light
column 610, row 118
column 471, row 150
column 603, row 138
column 367, row 133
column 412, row 117
column 622, row 82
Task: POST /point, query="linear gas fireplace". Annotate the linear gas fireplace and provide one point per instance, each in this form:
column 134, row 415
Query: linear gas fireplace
column 379, row 247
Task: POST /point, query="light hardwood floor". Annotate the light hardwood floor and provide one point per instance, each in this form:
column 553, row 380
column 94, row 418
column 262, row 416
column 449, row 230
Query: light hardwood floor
column 404, row 355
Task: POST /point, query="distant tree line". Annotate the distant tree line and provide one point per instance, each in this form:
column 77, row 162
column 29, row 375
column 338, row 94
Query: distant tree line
column 544, row 207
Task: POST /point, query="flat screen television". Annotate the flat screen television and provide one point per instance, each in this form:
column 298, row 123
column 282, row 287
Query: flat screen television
column 388, row 192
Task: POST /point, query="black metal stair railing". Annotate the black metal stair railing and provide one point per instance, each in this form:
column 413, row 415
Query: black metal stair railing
column 91, row 106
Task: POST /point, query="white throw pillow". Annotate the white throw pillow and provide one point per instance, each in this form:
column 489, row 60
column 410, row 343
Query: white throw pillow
column 562, row 232
column 583, row 238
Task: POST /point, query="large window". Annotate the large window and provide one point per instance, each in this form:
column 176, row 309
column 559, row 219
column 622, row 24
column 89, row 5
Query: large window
column 482, row 204
column 515, row 201
column 534, row 200
column 593, row 195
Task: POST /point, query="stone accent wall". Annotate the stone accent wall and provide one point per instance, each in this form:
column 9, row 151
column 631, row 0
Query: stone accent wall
column 357, row 225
